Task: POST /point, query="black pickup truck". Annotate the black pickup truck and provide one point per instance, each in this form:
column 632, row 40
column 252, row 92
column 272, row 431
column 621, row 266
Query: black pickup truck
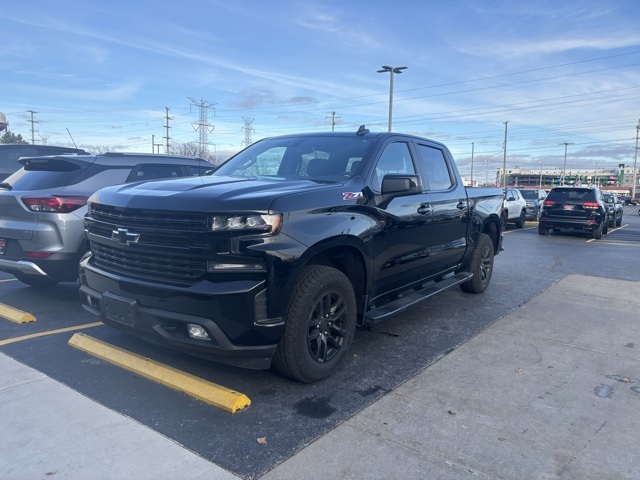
column 279, row 254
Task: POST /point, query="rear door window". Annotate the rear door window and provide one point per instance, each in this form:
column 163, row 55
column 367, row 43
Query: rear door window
column 153, row 172
column 435, row 167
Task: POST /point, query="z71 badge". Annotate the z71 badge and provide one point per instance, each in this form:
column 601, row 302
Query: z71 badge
column 352, row 195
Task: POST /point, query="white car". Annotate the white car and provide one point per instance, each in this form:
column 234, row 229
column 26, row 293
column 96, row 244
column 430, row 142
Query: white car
column 515, row 207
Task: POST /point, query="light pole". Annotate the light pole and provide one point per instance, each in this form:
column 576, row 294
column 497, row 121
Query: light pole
column 564, row 165
column 635, row 164
column 391, row 70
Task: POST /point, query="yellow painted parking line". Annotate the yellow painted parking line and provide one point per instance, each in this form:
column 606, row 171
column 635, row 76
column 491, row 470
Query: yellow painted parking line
column 14, row 315
column 518, row 230
column 49, row 332
column 208, row 392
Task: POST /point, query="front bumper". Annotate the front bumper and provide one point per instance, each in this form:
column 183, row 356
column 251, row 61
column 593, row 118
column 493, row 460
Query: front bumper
column 232, row 314
column 531, row 213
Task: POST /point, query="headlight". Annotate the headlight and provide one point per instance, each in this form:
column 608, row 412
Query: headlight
column 250, row 223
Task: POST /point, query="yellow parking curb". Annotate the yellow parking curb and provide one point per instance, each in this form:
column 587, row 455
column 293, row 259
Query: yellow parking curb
column 14, row 315
column 208, row 392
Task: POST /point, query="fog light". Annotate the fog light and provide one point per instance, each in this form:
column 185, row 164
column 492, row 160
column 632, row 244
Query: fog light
column 196, row 331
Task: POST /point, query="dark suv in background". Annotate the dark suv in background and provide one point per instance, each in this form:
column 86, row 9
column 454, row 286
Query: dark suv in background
column 10, row 153
column 575, row 208
column 614, row 205
column 42, row 207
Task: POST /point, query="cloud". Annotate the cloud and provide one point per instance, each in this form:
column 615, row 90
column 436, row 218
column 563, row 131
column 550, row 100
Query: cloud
column 509, row 49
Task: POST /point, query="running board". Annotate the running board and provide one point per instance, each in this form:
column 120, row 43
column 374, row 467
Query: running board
column 377, row 314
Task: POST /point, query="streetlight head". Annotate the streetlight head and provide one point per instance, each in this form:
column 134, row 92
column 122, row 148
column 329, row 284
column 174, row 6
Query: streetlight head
column 385, row 68
column 398, row 69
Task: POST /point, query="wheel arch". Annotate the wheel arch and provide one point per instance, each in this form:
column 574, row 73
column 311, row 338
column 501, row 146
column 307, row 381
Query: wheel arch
column 345, row 253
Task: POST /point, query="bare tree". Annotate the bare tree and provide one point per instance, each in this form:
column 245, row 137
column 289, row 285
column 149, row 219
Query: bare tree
column 99, row 149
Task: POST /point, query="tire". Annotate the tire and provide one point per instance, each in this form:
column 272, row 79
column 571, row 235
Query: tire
column 481, row 266
column 619, row 221
column 542, row 230
column 35, row 281
column 597, row 233
column 605, row 228
column 319, row 325
column 520, row 221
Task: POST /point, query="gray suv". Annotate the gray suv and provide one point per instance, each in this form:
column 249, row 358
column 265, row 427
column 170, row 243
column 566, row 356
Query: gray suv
column 534, row 198
column 42, row 207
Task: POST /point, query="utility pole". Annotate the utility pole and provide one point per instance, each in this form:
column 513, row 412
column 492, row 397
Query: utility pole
column 247, row 130
column 153, row 143
column 564, row 165
column 486, row 175
column 504, row 158
column 167, row 127
column 472, row 148
column 635, row 164
column 33, row 140
column 203, row 126
column 333, row 121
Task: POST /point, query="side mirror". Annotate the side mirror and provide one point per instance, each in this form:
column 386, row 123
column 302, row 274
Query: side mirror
column 399, row 185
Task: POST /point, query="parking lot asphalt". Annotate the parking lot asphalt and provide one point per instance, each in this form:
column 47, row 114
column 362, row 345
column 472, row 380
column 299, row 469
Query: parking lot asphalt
column 551, row 390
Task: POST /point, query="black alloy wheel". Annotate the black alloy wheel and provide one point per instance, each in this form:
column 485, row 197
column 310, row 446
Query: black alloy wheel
column 481, row 266
column 319, row 326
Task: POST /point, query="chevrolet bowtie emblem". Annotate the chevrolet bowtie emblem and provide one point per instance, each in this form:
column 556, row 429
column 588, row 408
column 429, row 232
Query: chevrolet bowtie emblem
column 124, row 236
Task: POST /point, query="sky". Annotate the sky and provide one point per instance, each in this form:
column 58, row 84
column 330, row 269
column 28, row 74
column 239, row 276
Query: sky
column 106, row 75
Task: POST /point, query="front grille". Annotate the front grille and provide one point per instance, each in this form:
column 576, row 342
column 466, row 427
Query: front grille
column 163, row 221
column 160, row 267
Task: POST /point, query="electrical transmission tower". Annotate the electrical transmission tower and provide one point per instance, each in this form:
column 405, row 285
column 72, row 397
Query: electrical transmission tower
column 33, row 131
column 247, row 130
column 202, row 125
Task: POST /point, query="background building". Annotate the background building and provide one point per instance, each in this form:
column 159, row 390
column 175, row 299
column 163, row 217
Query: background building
column 618, row 178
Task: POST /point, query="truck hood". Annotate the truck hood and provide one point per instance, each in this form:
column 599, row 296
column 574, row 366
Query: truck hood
column 205, row 194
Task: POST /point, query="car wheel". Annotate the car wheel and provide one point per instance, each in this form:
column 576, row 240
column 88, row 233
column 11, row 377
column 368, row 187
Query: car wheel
column 35, row 281
column 481, row 266
column 597, row 232
column 619, row 221
column 542, row 230
column 319, row 325
column 605, row 228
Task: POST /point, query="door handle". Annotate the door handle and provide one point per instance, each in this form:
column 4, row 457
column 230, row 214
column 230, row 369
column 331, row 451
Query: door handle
column 461, row 205
column 424, row 209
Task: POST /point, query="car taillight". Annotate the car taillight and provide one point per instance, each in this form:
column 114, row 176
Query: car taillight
column 58, row 204
column 590, row 205
column 548, row 203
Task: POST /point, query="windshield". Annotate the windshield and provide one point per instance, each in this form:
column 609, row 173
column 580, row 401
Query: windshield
column 318, row 158
column 529, row 194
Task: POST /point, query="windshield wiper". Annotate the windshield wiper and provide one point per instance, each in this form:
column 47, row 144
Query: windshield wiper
column 6, row 185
